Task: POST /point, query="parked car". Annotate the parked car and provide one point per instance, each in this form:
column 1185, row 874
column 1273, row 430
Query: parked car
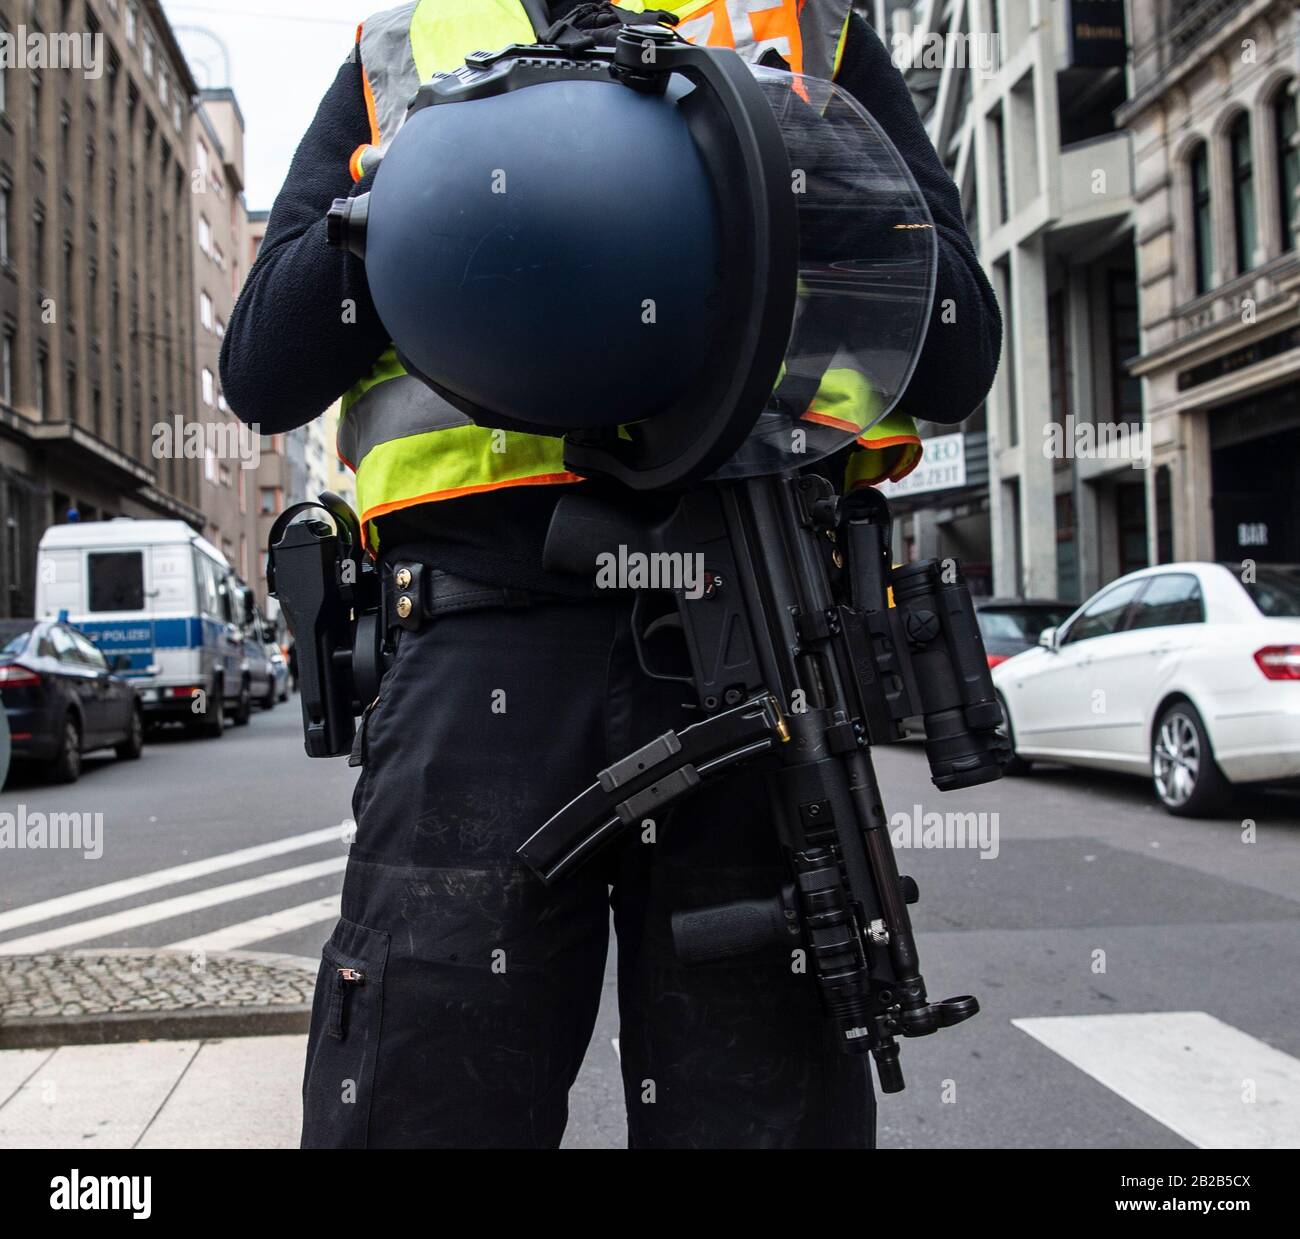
column 1012, row 625
column 257, row 663
column 62, row 699
column 161, row 596
column 279, row 669
column 1183, row 672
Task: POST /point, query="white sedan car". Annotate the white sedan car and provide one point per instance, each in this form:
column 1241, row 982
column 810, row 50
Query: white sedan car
column 1186, row 672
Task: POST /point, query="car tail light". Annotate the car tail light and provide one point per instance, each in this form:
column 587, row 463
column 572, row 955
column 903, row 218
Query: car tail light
column 1279, row 662
column 996, row 660
column 182, row 690
column 18, row 677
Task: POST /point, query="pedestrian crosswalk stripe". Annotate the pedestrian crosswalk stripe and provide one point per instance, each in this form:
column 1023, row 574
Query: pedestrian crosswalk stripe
column 1214, row 1085
column 180, row 905
column 245, row 933
column 92, row 896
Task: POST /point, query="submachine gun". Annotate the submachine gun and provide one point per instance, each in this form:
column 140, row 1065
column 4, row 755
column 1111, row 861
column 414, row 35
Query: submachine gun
column 794, row 650
column 806, row 647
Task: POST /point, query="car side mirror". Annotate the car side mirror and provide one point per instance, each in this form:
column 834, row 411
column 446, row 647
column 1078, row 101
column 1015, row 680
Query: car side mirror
column 1048, row 639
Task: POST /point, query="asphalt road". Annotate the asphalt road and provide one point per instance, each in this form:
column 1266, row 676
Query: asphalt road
column 1137, row 972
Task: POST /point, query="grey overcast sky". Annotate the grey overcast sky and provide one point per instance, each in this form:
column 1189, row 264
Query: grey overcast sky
column 283, row 54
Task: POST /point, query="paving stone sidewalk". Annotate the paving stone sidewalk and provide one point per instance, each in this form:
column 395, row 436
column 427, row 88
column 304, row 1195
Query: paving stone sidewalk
column 100, row 996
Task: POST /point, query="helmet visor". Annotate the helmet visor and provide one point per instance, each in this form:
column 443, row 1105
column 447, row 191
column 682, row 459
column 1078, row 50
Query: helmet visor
column 867, row 262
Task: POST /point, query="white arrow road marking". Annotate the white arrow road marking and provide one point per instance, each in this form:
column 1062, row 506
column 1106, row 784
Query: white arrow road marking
column 127, row 887
column 232, row 937
column 180, row 905
column 1187, row 1070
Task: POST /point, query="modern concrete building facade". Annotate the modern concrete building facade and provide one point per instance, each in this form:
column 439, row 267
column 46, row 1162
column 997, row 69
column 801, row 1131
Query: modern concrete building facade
column 1218, row 172
column 1021, row 107
column 96, row 276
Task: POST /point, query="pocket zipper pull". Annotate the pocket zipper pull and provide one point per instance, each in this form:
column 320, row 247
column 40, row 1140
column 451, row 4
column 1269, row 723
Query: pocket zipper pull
column 351, row 976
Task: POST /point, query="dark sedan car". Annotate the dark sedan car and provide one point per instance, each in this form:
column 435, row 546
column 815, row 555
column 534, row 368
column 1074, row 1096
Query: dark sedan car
column 62, row 700
column 1011, row 625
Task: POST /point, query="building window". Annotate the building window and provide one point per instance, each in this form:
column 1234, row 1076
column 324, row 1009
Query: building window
column 1202, row 219
column 1288, row 161
column 209, row 388
column 1243, row 192
column 35, row 118
column 38, row 244
column 269, row 503
column 7, row 367
column 42, row 382
column 205, row 310
column 146, row 56
column 201, row 162
column 132, row 16
column 6, row 197
column 205, row 235
column 164, row 87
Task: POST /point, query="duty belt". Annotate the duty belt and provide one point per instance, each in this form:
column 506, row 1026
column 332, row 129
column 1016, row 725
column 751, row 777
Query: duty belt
column 415, row 593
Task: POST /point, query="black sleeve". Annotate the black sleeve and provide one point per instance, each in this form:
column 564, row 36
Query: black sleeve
column 960, row 358
column 293, row 345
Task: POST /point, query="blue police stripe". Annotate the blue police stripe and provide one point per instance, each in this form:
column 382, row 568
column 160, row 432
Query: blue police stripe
column 139, row 639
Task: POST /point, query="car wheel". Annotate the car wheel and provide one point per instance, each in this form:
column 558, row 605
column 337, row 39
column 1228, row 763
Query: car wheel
column 211, row 724
column 65, row 765
column 1187, row 779
column 268, row 702
column 243, row 710
column 1017, row 765
column 131, row 748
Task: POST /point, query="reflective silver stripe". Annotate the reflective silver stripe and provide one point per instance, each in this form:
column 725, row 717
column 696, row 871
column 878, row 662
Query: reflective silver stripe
column 820, row 27
column 393, row 409
column 389, row 66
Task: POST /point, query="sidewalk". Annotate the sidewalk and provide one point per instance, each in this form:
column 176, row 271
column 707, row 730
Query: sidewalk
column 244, row 1092
column 119, row 1049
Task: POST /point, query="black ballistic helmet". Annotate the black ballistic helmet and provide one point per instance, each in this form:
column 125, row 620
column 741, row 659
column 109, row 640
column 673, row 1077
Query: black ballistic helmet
column 655, row 250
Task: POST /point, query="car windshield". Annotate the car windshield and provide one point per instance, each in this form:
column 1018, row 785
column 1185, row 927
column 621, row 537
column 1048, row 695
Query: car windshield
column 1018, row 623
column 1275, row 591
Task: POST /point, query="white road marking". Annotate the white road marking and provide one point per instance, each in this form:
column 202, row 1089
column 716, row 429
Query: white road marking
column 1211, row 1083
column 180, row 905
column 127, row 887
column 232, row 937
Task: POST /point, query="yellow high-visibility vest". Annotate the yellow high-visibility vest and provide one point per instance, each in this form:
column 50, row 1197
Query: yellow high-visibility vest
column 406, row 444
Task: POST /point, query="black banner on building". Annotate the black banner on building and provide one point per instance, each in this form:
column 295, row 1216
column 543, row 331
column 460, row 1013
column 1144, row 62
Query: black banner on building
column 1098, row 38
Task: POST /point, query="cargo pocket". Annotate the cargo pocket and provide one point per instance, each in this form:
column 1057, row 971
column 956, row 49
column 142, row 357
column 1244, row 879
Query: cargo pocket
column 343, row 1044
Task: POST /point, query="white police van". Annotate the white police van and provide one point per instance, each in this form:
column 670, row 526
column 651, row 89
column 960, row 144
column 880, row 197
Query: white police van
column 159, row 594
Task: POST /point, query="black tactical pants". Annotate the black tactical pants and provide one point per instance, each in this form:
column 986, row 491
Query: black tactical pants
column 457, row 995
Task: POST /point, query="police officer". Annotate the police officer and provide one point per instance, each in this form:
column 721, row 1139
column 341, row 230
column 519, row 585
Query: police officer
column 457, row 995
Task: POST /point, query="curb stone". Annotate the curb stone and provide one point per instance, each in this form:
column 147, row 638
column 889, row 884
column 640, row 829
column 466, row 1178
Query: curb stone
column 95, row 997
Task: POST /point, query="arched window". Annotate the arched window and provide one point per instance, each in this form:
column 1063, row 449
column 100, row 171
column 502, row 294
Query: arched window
column 1288, row 160
column 1243, row 192
column 1202, row 221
